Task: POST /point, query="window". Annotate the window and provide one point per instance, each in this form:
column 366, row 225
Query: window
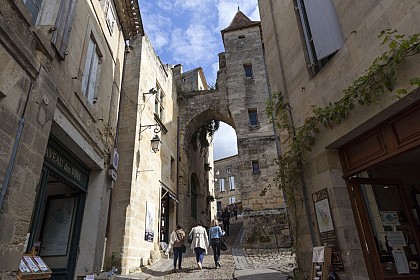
column 90, row 71
column 231, row 183
column 232, row 200
column 248, row 70
column 34, row 6
column 56, row 14
column 253, row 117
column 222, row 185
column 159, row 101
column 321, row 30
column 241, row 37
column 255, row 167
column 110, row 17
column 228, row 170
column 173, row 169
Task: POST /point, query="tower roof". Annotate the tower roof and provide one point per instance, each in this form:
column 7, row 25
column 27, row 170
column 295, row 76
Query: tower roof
column 240, row 21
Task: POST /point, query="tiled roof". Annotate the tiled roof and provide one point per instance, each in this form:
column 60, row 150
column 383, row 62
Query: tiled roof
column 240, row 21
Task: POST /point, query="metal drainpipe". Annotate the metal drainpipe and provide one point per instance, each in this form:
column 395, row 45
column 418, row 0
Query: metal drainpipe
column 177, row 171
column 302, row 177
column 12, row 160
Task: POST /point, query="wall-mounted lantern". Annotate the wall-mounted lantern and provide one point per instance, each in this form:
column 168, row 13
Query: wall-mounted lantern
column 155, row 142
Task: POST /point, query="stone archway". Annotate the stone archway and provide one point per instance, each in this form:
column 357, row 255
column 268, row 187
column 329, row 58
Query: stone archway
column 240, row 101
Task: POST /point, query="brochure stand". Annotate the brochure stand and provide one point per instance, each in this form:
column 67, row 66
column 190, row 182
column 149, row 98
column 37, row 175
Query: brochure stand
column 321, row 263
column 33, row 267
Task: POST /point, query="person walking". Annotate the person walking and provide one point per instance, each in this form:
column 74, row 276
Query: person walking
column 226, row 220
column 205, row 219
column 176, row 241
column 200, row 243
column 215, row 235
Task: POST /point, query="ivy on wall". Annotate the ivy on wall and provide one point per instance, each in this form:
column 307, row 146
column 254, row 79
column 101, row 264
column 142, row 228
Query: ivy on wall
column 376, row 81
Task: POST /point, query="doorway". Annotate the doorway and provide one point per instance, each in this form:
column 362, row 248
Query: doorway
column 58, row 214
column 388, row 226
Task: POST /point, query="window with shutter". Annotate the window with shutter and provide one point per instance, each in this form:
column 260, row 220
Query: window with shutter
column 63, row 25
column 321, row 29
column 34, row 6
column 110, row 17
column 90, row 71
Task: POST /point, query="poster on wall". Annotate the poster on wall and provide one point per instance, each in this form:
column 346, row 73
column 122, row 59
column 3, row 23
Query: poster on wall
column 326, row 227
column 58, row 224
column 150, row 221
column 323, row 215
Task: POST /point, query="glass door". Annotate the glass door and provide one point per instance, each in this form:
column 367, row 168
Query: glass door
column 388, row 229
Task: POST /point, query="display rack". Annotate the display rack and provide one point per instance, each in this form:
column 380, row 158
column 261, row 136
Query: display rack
column 32, row 267
column 321, row 263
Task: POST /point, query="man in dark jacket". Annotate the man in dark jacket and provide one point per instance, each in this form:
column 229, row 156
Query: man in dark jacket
column 226, row 220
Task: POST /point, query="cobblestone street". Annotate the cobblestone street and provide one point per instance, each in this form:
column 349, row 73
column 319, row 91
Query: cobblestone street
column 236, row 262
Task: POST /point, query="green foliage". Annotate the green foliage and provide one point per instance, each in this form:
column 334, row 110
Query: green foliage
column 377, row 80
column 204, row 135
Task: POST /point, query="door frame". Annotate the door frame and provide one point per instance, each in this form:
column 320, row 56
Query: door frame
column 364, row 227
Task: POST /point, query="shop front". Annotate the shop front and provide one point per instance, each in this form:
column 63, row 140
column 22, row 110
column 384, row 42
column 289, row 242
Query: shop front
column 382, row 171
column 57, row 217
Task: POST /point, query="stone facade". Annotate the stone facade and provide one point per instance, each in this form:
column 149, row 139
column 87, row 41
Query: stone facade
column 239, row 100
column 304, row 84
column 58, row 128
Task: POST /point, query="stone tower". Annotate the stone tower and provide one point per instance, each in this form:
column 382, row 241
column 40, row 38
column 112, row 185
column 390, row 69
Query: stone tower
column 242, row 75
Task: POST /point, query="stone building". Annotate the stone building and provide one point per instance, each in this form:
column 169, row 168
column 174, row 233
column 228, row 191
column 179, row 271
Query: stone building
column 360, row 179
column 147, row 200
column 226, row 191
column 60, row 83
column 239, row 100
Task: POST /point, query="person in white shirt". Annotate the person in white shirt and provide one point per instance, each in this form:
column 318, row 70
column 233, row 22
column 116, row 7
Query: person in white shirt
column 200, row 243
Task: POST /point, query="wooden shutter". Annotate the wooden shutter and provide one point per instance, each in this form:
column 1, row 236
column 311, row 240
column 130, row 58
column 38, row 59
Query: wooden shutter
column 88, row 65
column 93, row 76
column 325, row 27
column 63, row 25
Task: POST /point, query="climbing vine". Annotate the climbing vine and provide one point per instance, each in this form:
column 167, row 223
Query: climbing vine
column 204, row 135
column 377, row 80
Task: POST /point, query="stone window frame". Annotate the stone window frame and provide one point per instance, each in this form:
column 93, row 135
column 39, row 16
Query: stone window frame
column 255, row 167
column 248, row 71
column 253, row 117
column 222, row 185
column 231, row 180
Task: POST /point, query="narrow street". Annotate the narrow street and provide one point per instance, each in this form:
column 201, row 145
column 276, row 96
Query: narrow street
column 236, row 262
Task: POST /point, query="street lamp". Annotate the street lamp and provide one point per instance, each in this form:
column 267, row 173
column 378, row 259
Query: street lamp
column 155, row 142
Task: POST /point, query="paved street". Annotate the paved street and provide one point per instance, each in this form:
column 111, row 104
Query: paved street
column 237, row 263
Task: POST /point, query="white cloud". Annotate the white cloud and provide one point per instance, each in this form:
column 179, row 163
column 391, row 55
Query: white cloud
column 228, row 8
column 196, row 45
column 158, row 29
column 225, row 143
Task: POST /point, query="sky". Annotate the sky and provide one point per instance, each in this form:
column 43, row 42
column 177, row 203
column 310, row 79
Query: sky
column 187, row 32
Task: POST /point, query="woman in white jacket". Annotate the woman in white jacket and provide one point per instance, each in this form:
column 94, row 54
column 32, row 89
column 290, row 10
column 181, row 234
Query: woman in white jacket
column 200, row 242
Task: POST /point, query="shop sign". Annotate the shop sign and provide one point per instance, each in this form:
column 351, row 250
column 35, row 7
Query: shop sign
column 65, row 166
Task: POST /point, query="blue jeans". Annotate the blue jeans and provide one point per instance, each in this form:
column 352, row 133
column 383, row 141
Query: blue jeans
column 199, row 254
column 215, row 245
column 177, row 256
